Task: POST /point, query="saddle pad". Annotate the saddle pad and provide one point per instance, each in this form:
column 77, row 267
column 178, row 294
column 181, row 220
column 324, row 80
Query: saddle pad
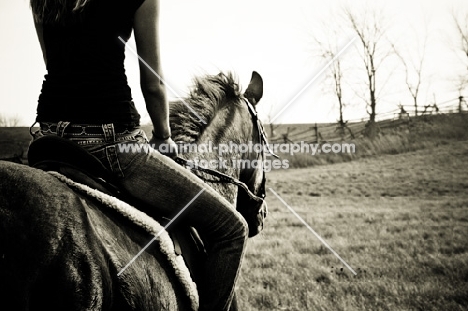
column 151, row 226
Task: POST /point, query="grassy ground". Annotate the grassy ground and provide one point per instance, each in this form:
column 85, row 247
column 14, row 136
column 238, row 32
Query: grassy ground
column 400, row 221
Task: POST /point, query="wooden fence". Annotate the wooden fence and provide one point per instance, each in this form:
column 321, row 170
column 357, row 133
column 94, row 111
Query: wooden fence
column 398, row 120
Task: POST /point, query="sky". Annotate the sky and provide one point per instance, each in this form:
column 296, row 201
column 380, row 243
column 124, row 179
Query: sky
column 270, row 37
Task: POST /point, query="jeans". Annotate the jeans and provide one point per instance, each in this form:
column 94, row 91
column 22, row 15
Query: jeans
column 161, row 183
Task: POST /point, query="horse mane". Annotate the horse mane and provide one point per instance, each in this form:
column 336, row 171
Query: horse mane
column 209, row 94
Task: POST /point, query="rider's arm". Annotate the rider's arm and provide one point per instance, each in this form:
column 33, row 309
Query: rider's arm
column 40, row 37
column 146, row 29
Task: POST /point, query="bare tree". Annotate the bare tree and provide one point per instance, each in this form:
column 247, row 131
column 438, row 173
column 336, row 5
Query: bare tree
column 269, row 119
column 369, row 26
column 413, row 64
column 461, row 25
column 327, row 50
column 326, row 45
column 6, row 121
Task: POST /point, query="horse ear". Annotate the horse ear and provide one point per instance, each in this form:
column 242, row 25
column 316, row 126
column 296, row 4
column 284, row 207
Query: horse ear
column 254, row 91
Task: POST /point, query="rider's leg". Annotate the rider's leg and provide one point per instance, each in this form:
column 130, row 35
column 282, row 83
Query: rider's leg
column 165, row 185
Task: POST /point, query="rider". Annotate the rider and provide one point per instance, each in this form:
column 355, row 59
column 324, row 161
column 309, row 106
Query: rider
column 85, row 98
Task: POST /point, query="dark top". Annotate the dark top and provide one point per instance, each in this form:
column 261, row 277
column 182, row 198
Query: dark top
column 85, row 81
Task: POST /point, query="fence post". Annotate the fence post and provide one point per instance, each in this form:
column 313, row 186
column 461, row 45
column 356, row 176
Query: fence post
column 318, row 136
column 460, row 101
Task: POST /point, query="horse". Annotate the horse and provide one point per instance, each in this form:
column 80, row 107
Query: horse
column 61, row 249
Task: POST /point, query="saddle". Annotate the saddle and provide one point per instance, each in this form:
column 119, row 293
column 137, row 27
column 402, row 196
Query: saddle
column 54, row 153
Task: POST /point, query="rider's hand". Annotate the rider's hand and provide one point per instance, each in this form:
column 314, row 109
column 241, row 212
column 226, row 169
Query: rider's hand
column 166, row 147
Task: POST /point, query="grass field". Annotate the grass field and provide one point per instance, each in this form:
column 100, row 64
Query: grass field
column 400, row 221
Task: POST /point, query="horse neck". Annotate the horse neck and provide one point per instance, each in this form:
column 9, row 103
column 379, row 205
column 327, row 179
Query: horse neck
column 232, row 126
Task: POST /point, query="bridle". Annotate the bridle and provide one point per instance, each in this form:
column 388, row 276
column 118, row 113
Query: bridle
column 263, row 140
column 223, row 178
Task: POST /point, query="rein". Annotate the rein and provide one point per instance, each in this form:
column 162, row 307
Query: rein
column 223, row 178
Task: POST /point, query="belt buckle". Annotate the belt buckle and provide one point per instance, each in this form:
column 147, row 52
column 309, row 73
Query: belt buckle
column 83, row 130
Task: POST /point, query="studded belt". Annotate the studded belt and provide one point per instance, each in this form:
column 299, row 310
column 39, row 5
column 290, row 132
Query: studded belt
column 87, row 130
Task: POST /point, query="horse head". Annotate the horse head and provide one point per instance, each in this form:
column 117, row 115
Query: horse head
column 218, row 128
